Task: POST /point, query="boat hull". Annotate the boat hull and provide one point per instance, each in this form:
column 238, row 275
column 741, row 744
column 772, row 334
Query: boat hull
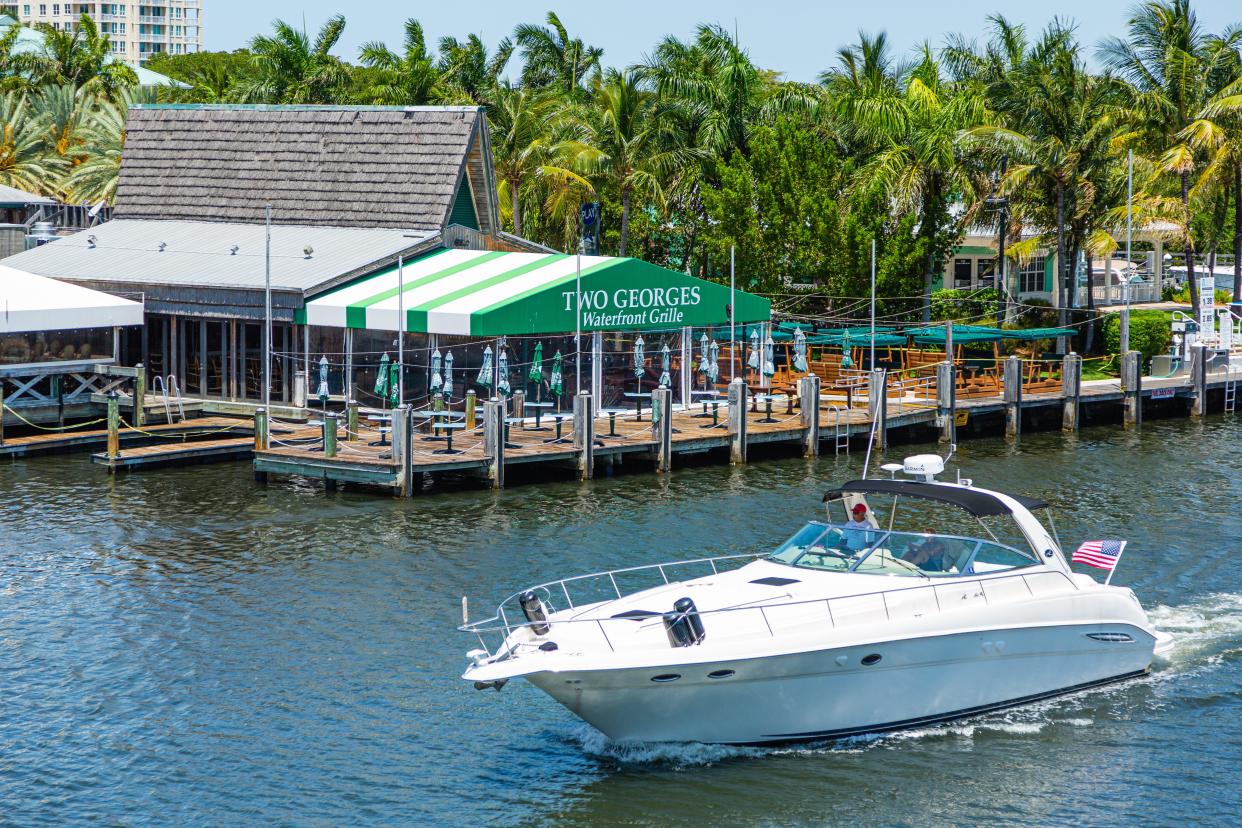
column 836, row 692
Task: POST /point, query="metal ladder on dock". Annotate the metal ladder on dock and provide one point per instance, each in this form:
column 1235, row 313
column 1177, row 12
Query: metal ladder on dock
column 167, row 388
column 1231, row 394
column 840, row 432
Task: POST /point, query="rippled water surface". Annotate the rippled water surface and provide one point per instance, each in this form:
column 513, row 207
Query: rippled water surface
column 184, row 647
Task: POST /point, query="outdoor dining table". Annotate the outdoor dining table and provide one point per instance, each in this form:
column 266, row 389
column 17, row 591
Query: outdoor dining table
column 432, row 416
column 381, row 419
column 766, row 399
column 715, row 415
column 539, row 407
column 612, row 421
column 708, row 397
column 449, row 428
column 638, row 397
column 508, row 422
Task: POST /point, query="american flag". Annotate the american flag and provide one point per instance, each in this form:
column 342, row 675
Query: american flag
column 1102, row 554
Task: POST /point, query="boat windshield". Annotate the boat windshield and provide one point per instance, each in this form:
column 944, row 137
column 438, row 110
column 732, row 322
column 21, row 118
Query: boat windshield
column 870, row 551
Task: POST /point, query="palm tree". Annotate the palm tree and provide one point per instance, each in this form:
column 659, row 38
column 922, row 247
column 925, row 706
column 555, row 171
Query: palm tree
column 14, row 63
column 521, row 125
column 408, row 79
column 716, row 85
column 554, row 60
column 627, row 142
column 25, row 162
column 78, row 56
column 102, row 138
column 467, row 66
column 1171, row 64
column 1218, row 131
column 290, row 69
column 917, row 128
column 66, row 108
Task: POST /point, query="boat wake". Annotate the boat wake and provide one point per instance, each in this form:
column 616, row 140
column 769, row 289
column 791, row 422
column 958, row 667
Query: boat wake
column 1207, row 632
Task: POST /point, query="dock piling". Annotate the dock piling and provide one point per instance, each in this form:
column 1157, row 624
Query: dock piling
column 329, row 434
column 1198, row 379
column 140, row 395
column 808, row 401
column 584, row 433
column 1013, row 396
column 877, row 405
column 114, row 426
column 494, row 441
column 519, row 404
column 472, row 401
column 946, row 401
column 1071, row 384
column 260, row 429
column 1132, row 386
column 662, row 423
column 351, row 421
column 737, row 420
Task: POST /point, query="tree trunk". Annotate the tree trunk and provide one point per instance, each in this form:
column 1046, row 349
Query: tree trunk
column 1061, row 269
column 1237, row 232
column 1190, row 249
column 928, row 229
column 1089, row 341
column 517, row 208
column 625, row 219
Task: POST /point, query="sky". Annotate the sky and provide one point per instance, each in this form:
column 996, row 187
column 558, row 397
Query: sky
column 799, row 39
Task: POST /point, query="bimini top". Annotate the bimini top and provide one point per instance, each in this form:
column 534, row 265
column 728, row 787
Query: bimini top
column 978, row 502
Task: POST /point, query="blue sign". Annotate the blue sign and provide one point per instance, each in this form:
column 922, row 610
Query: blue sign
column 589, row 213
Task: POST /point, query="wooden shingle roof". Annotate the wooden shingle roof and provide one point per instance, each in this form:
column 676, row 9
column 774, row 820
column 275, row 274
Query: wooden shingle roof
column 379, row 167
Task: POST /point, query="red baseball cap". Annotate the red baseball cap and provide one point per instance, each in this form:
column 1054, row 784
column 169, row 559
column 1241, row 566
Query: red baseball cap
column 858, row 507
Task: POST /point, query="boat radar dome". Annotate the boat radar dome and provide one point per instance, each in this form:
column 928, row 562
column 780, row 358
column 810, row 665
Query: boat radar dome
column 926, row 466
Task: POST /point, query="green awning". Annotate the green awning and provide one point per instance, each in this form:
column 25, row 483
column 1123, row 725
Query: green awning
column 492, row 293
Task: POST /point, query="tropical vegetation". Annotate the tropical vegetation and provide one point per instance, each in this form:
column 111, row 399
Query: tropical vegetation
column 703, row 160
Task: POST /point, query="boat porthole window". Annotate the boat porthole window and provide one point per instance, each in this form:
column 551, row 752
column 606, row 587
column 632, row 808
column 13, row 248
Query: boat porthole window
column 663, row 677
column 719, row 674
column 868, row 660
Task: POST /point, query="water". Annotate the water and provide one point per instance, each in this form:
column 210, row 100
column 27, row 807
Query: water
column 183, row 647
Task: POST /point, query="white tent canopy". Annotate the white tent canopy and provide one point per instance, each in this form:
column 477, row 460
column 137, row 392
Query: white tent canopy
column 36, row 303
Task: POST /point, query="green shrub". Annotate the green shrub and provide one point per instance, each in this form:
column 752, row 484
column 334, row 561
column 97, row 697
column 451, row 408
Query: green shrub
column 1150, row 333
column 971, row 307
column 1219, row 296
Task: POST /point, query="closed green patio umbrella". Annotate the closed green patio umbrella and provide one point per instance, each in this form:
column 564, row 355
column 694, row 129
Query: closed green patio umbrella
column 555, row 383
column 322, row 391
column 394, row 384
column 381, row 378
column 752, row 360
column 485, row 370
column 800, row 351
column 437, row 380
column 666, row 378
column 535, row 374
column 713, row 362
column 502, row 384
column 640, row 361
column 769, row 357
column 703, row 345
column 448, row 375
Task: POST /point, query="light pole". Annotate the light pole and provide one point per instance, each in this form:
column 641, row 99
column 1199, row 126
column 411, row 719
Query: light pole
column 1001, row 280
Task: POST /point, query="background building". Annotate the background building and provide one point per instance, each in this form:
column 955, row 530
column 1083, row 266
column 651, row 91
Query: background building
column 137, row 30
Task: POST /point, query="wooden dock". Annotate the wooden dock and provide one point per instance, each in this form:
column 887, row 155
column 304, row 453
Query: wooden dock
column 59, row 442
column 900, row 415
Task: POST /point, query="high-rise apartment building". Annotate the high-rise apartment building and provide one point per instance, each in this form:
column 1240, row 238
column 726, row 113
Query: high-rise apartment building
column 137, row 30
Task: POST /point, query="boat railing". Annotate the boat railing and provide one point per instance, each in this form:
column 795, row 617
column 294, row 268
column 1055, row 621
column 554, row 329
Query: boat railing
column 502, row 627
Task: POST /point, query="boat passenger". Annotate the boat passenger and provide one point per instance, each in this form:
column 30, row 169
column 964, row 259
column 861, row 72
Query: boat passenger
column 929, row 556
column 858, row 531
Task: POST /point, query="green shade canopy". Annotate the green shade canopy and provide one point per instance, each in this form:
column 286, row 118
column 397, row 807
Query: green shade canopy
column 493, row 293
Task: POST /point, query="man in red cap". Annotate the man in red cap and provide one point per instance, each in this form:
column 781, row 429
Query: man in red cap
column 857, row 533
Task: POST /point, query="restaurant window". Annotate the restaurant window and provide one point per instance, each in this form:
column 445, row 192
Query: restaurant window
column 1032, row 275
column 961, row 273
column 987, row 273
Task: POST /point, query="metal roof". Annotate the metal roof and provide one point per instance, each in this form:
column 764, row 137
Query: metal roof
column 12, row 195
column 199, row 254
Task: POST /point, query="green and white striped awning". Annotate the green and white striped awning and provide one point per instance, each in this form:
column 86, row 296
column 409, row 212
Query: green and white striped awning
column 489, row 293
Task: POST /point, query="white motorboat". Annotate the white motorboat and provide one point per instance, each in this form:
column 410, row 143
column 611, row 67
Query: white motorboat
column 839, row 631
